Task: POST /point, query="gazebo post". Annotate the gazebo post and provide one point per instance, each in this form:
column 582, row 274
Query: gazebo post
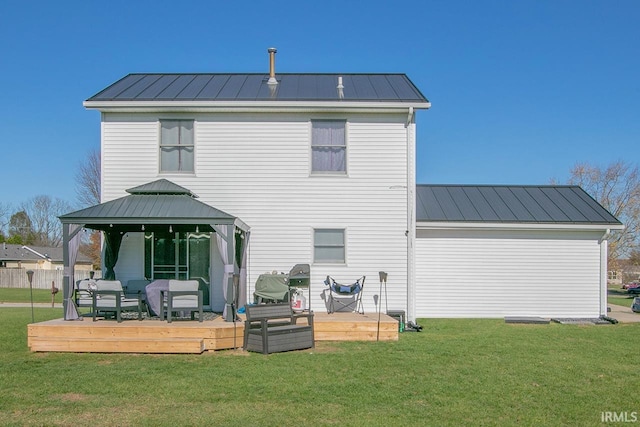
column 231, row 257
column 66, row 268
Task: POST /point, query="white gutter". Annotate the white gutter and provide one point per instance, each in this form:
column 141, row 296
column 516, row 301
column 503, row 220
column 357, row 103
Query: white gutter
column 433, row 225
column 36, row 253
column 250, row 106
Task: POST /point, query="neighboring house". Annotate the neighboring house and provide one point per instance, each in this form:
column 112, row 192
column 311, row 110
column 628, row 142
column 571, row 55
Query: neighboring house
column 628, row 270
column 614, row 277
column 321, row 167
column 36, row 258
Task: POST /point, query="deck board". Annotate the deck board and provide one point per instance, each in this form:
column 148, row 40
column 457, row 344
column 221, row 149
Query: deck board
column 186, row 336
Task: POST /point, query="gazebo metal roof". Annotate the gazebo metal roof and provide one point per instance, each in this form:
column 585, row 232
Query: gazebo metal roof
column 149, row 206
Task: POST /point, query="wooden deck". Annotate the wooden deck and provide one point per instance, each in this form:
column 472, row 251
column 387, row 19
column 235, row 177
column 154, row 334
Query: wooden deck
column 186, row 336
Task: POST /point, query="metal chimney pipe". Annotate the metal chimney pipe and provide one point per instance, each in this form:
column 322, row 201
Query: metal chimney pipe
column 272, row 66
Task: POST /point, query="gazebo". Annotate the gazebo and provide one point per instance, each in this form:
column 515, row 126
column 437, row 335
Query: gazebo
column 158, row 205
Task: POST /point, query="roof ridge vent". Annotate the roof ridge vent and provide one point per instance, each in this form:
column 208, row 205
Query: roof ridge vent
column 340, row 88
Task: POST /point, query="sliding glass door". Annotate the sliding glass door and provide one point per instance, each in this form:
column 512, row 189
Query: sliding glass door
column 179, row 255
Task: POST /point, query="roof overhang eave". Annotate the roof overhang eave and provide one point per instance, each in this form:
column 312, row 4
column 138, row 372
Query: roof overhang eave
column 150, row 221
column 252, row 106
column 452, row 225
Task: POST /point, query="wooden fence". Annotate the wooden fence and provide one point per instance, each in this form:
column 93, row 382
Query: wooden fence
column 17, row 278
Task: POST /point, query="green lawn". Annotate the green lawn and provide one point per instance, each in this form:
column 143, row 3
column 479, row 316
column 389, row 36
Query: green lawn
column 619, row 296
column 23, row 295
column 455, row 372
column 625, row 301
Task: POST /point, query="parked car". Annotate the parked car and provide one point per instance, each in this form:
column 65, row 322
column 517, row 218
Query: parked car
column 631, row 285
column 633, row 288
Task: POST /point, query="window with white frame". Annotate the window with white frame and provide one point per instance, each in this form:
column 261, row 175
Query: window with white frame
column 176, row 146
column 329, row 245
column 328, row 146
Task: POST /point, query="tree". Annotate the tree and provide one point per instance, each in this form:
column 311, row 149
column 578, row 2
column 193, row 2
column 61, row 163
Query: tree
column 4, row 220
column 43, row 212
column 20, row 230
column 88, row 194
column 617, row 188
column 88, row 180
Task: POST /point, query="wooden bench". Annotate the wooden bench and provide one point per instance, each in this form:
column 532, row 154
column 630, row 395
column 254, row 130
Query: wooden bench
column 272, row 328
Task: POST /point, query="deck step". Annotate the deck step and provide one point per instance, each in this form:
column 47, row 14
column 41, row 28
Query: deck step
column 117, row 345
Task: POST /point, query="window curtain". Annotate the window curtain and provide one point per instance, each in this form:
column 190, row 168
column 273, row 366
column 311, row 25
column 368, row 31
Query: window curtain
column 73, row 245
column 112, row 240
column 329, row 151
column 176, row 146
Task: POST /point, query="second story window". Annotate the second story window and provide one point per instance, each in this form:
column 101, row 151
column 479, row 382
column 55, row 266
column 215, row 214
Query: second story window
column 328, row 146
column 176, row 146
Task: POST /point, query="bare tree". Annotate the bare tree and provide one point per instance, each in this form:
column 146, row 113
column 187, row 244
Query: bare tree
column 617, row 188
column 88, row 194
column 88, row 180
column 4, row 219
column 43, row 211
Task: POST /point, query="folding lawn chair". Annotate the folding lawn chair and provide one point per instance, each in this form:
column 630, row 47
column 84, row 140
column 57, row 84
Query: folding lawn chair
column 347, row 296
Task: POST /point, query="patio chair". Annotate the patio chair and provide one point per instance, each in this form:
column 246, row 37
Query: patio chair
column 83, row 294
column 183, row 296
column 109, row 297
column 346, row 296
column 137, row 289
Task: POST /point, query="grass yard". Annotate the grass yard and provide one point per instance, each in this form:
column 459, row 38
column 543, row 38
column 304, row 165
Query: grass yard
column 23, row 295
column 625, row 301
column 619, row 296
column 455, row 372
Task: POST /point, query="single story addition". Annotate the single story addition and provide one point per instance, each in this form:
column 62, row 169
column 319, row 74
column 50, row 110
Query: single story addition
column 498, row 251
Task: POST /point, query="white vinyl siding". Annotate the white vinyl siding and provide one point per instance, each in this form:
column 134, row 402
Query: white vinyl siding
column 493, row 273
column 256, row 167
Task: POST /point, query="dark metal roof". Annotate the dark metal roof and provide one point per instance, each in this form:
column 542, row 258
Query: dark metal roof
column 254, row 87
column 157, row 203
column 161, row 186
column 510, row 204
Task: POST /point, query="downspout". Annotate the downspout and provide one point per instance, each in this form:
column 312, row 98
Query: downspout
column 604, row 254
column 411, row 217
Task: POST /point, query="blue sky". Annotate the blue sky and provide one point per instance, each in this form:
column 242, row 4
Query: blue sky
column 520, row 90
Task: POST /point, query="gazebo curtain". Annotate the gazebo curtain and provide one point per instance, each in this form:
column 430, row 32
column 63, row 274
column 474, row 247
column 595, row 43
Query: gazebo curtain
column 71, row 312
column 242, row 298
column 232, row 247
column 112, row 241
column 223, row 241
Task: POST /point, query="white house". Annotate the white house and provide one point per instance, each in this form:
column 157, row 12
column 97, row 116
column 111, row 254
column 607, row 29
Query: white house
column 321, row 167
